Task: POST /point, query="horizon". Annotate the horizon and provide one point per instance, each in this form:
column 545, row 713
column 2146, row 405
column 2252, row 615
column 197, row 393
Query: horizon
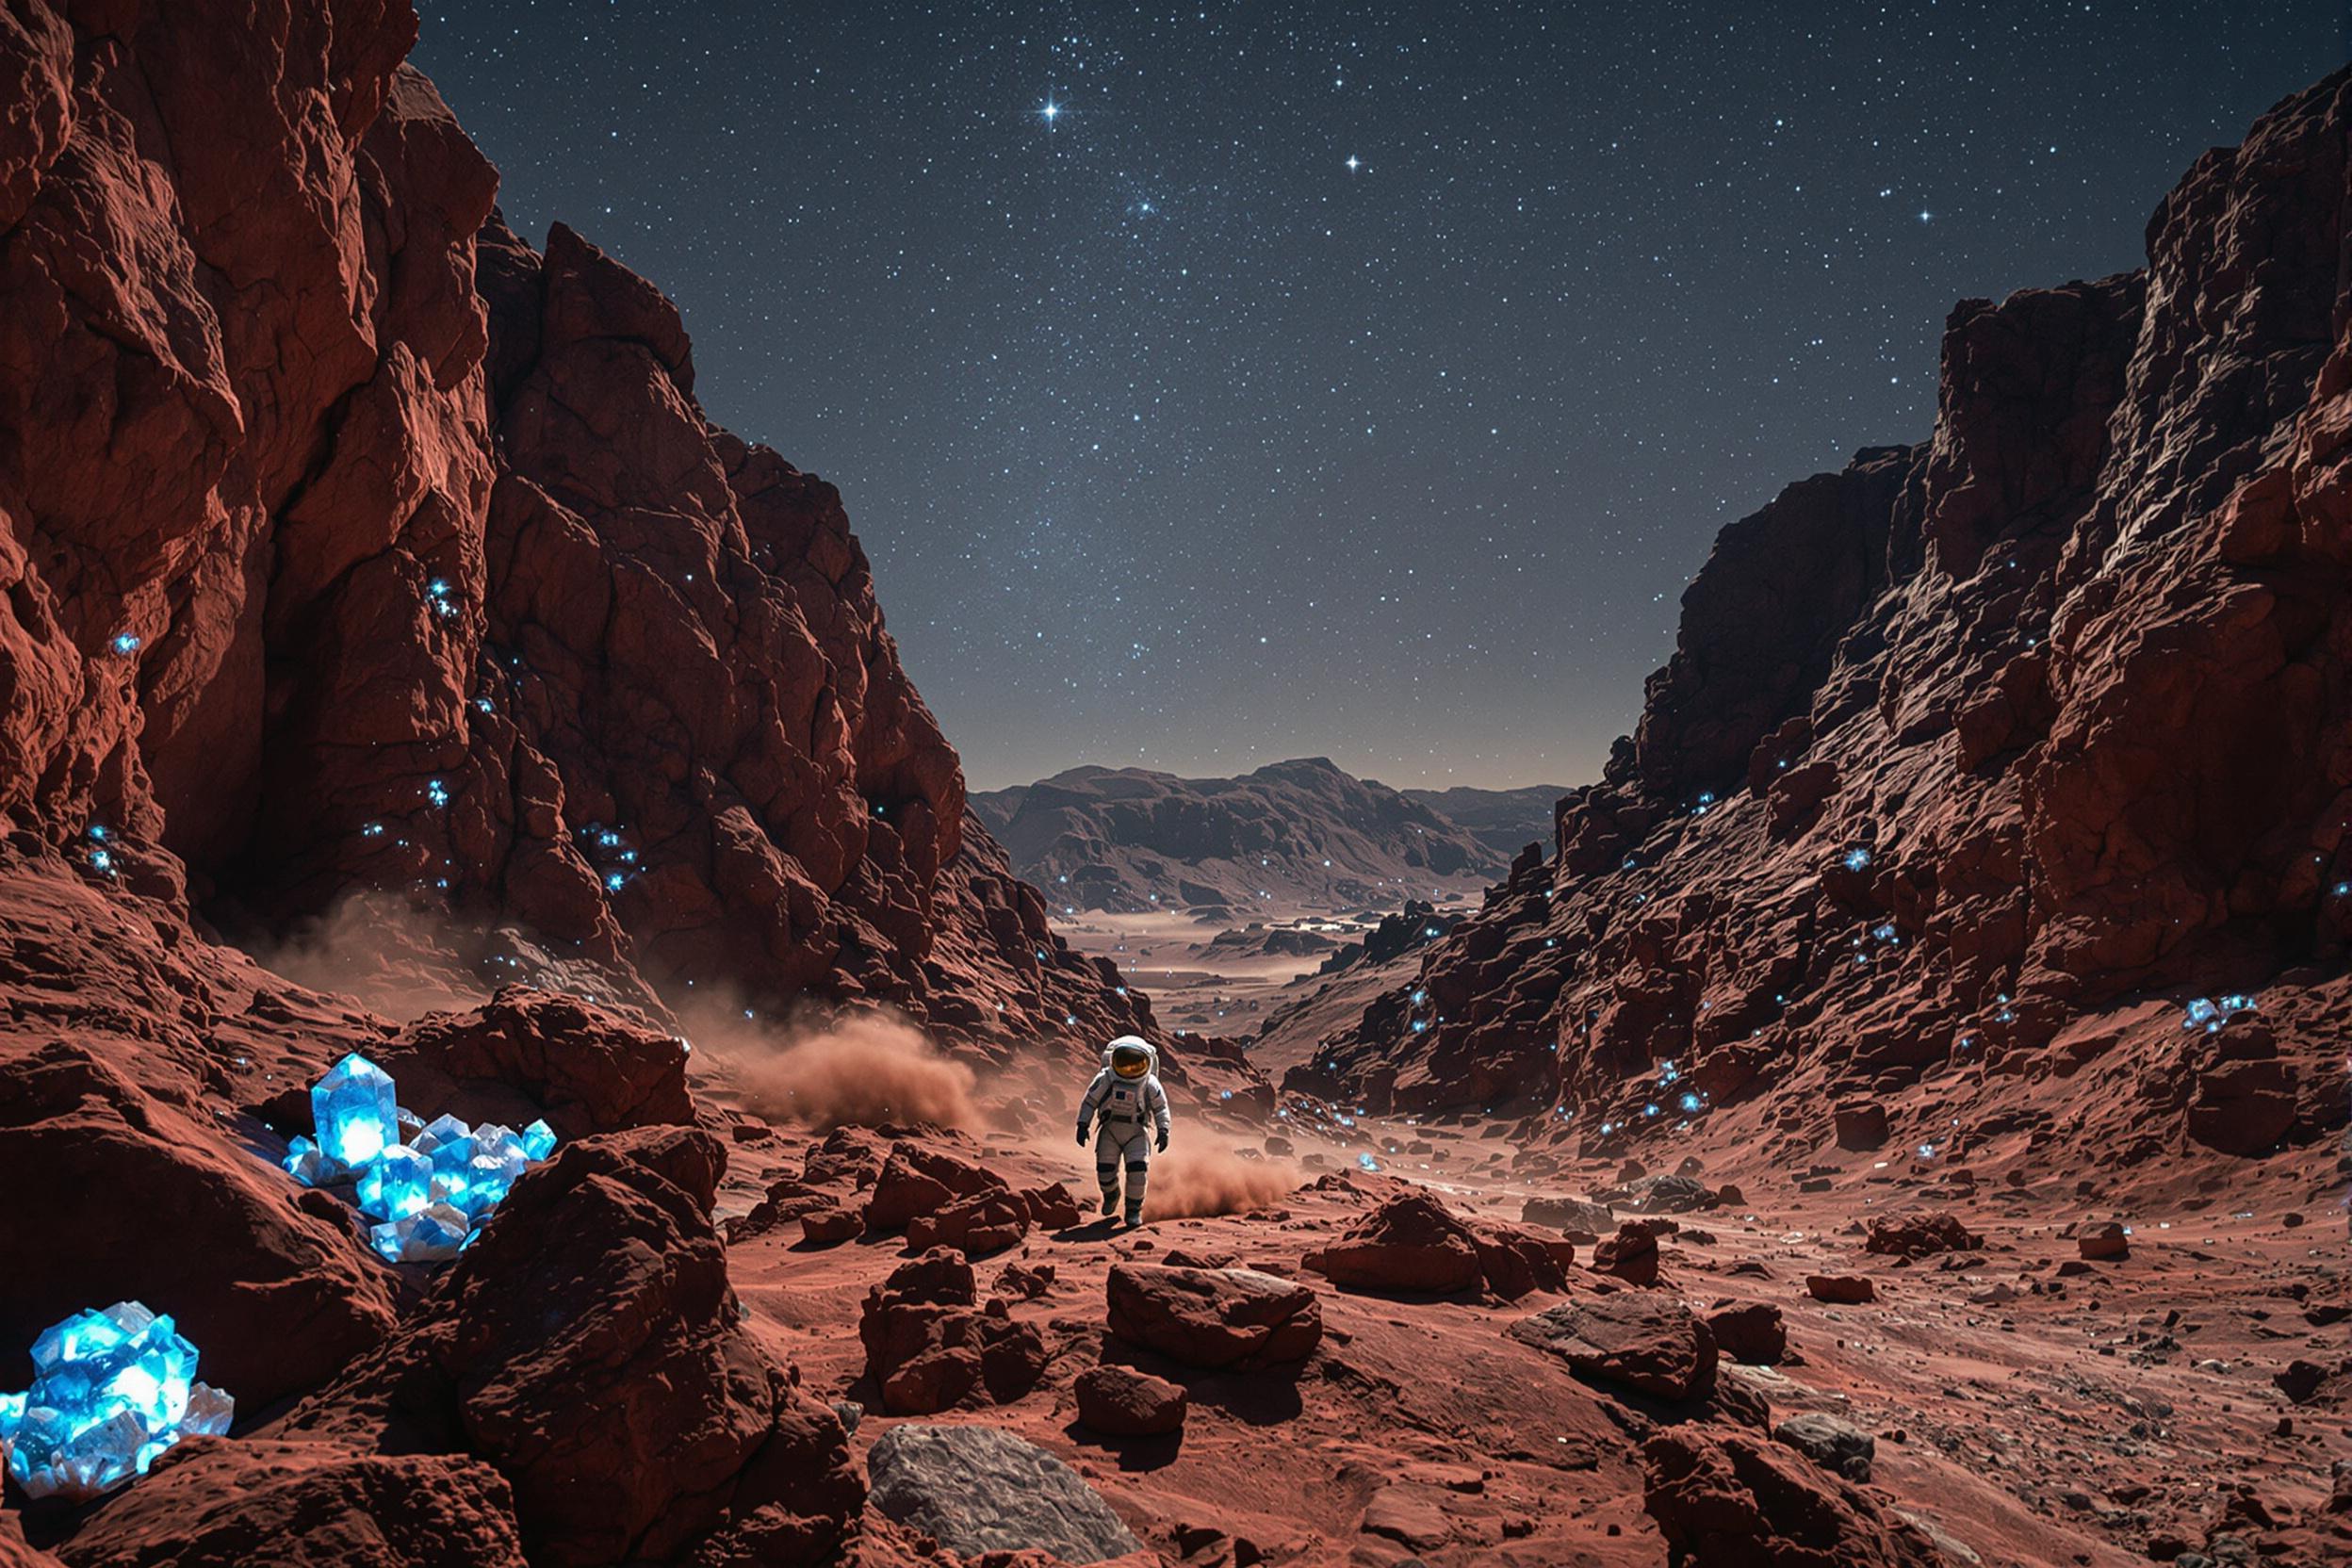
column 973, row 789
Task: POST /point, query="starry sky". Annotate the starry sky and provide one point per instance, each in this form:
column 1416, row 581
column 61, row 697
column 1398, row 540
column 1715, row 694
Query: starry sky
column 1223, row 383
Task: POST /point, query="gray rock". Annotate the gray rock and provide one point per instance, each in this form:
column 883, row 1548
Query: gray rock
column 1582, row 1220
column 980, row 1489
column 1669, row 1195
column 1834, row 1446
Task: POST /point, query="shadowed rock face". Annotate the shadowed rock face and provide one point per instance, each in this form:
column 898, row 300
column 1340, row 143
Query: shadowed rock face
column 350, row 544
column 1975, row 741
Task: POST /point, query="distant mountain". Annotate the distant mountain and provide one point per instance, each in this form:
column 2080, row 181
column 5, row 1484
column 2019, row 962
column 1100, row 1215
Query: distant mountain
column 1297, row 833
column 1506, row 821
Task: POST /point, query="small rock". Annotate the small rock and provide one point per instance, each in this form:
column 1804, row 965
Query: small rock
column 1123, row 1402
column 1844, row 1289
column 1833, row 1445
column 2102, row 1243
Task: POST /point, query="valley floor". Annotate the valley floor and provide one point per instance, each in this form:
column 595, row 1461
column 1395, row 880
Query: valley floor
column 2028, row 1407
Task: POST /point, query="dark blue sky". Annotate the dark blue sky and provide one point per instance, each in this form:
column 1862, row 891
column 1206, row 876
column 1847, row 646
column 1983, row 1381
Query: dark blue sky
column 1180, row 438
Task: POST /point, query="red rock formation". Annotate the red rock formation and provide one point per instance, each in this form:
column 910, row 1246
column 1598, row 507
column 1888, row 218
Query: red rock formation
column 1733, row 1502
column 352, row 544
column 1968, row 745
column 600, row 1285
column 224, row 1504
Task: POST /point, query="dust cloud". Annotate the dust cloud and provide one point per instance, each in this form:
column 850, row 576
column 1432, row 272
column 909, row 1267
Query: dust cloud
column 869, row 1068
column 1193, row 1183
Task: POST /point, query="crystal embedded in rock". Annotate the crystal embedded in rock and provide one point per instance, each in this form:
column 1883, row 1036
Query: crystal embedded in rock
column 111, row 1391
column 538, row 1140
column 354, row 1108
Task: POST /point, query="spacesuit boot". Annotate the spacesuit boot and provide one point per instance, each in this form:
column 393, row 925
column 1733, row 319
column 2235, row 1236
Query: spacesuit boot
column 1126, row 1111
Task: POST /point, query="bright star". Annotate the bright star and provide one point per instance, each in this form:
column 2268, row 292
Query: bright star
column 1049, row 111
column 1354, row 163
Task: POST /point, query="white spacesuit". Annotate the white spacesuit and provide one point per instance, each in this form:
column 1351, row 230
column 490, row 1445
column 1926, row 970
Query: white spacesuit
column 1127, row 1096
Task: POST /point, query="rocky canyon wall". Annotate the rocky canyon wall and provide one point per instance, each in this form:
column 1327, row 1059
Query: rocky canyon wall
column 1980, row 743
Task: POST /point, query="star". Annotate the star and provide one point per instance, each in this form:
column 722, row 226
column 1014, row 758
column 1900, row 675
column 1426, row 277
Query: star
column 1049, row 111
column 1354, row 163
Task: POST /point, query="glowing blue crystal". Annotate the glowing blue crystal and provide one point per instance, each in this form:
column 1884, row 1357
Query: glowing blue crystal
column 353, row 1110
column 396, row 1184
column 439, row 1133
column 111, row 1391
column 1367, row 1161
column 308, row 1163
column 1856, row 859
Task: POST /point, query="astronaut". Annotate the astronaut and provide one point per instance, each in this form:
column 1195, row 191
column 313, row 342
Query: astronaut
column 1127, row 1096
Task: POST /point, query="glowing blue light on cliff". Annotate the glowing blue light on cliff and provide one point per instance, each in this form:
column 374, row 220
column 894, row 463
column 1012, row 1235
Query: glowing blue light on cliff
column 1367, row 1161
column 1856, row 859
column 124, row 644
column 353, row 1110
column 436, row 791
column 615, row 881
column 111, row 1390
column 1690, row 1101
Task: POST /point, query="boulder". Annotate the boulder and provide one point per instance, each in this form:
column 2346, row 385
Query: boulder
column 1584, row 1221
column 1123, row 1402
column 1919, row 1235
column 1051, row 1208
column 589, row 1347
column 1410, row 1243
column 1675, row 1193
column 917, row 1181
column 1642, row 1340
column 276, row 1294
column 586, row 1068
column 1834, row 1446
column 2105, row 1242
column 831, row 1226
column 930, row 1346
column 1733, row 1501
column 988, row 1221
column 980, row 1489
column 221, row 1503
column 1631, row 1254
column 1215, row 1317
column 1841, row 1289
column 1752, row 1333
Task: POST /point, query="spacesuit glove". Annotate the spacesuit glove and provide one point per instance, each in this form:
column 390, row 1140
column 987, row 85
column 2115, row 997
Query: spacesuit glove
column 1082, row 1137
column 1162, row 1145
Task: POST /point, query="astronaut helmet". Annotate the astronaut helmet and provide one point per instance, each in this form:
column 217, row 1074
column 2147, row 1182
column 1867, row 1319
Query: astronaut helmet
column 1131, row 1056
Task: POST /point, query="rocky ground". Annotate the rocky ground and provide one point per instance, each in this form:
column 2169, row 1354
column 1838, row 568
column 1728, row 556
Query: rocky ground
column 1480, row 1352
column 2025, row 1404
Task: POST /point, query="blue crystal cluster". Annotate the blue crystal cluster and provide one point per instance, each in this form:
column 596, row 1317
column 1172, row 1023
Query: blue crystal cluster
column 111, row 1390
column 2208, row 1015
column 427, row 1187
